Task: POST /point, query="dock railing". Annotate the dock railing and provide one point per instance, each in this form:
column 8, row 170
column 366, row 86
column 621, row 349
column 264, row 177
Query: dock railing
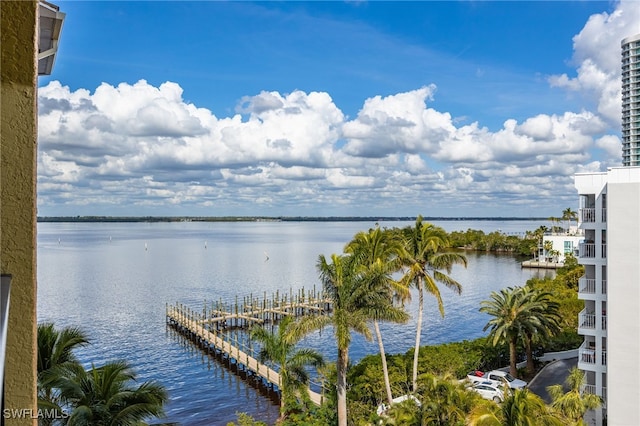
column 212, row 328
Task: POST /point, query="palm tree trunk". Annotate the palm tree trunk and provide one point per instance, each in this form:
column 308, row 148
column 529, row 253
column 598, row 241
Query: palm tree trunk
column 512, row 358
column 283, row 393
column 416, row 350
column 282, row 407
column 343, row 360
column 383, row 356
column 531, row 367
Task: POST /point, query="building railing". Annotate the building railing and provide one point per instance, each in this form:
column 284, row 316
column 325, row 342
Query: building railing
column 591, row 389
column 5, row 287
column 586, row 355
column 587, row 285
column 587, row 215
column 589, row 354
column 586, row 320
column 587, row 250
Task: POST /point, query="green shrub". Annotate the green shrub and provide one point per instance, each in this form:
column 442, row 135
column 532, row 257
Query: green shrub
column 456, row 358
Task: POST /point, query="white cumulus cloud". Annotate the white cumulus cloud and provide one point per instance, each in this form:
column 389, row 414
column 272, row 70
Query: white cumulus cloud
column 137, row 148
column 597, row 57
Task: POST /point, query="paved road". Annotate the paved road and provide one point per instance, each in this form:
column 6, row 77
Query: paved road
column 554, row 373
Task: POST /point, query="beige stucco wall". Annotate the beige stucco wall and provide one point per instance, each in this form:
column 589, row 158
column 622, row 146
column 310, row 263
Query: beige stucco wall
column 17, row 200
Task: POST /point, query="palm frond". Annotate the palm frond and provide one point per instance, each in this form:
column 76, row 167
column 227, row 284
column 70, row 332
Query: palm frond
column 305, row 325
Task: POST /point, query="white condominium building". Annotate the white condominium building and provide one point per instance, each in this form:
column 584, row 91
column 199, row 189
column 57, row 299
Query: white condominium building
column 609, row 215
column 631, row 101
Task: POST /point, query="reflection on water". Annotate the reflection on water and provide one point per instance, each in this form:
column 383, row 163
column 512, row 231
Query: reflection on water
column 114, row 279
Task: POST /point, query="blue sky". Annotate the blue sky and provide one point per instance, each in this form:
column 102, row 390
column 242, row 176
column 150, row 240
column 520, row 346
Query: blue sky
column 330, row 108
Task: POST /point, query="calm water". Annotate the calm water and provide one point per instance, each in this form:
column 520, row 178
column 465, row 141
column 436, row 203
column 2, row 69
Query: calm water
column 113, row 280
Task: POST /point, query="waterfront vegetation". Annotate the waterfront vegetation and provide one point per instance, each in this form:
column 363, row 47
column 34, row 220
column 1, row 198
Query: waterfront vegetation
column 373, row 277
column 423, row 261
column 520, row 314
column 356, row 299
column 101, row 396
column 292, row 361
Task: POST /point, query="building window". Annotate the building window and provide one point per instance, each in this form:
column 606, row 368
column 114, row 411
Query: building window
column 568, row 247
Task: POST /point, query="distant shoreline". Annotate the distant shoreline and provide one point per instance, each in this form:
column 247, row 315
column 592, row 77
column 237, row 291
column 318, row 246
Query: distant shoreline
column 49, row 219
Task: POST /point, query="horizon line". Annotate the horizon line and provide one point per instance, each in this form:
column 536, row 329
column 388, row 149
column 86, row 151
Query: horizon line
column 229, row 218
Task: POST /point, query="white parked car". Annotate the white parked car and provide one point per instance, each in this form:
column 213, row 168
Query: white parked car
column 496, row 376
column 489, row 390
column 501, row 376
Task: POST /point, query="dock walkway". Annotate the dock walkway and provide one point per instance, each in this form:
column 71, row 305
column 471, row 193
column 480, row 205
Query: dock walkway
column 208, row 329
column 541, row 265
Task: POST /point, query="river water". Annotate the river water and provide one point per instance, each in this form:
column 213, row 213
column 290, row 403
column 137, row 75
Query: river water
column 114, row 279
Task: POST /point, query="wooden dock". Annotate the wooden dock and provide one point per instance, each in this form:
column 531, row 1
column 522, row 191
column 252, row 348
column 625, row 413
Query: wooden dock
column 211, row 328
column 541, row 265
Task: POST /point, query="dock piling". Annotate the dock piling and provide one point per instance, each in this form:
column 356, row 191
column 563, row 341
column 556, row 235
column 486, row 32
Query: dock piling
column 218, row 330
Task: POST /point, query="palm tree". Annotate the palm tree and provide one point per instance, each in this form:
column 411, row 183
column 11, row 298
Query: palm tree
column 509, row 311
column 548, row 248
column 534, row 251
column 377, row 254
column 424, row 261
column 525, row 408
column 520, row 408
column 543, row 320
column 540, row 231
column 445, row 401
column 554, row 222
column 355, row 300
column 294, row 377
column 106, row 396
column 569, row 215
column 574, row 403
column 55, row 361
column 405, row 413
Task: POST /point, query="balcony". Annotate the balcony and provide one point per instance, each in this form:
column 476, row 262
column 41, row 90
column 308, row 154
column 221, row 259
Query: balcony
column 587, row 215
column 589, row 357
column 586, row 320
column 591, row 389
column 586, row 355
column 587, row 285
column 588, row 250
